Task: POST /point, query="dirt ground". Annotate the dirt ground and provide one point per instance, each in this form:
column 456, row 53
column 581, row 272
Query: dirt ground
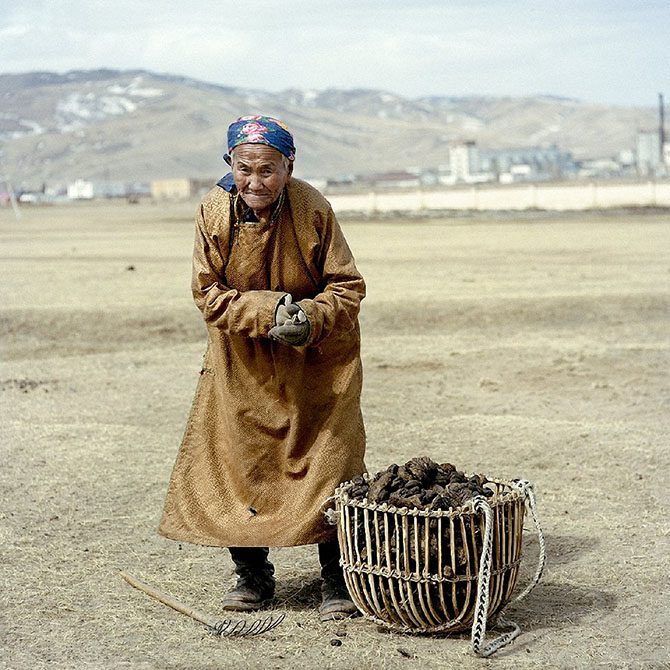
column 522, row 345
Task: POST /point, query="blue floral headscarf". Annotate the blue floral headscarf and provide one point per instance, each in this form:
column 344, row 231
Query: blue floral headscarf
column 260, row 130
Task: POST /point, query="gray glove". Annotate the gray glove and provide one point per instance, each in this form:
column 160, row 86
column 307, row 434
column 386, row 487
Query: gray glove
column 291, row 324
column 286, row 310
column 295, row 334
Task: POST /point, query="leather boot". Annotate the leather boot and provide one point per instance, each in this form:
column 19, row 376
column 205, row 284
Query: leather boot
column 336, row 603
column 255, row 580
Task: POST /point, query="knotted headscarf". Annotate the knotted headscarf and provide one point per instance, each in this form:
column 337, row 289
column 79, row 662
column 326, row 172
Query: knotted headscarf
column 260, row 130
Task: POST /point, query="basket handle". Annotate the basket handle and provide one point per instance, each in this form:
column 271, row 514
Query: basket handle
column 480, row 504
column 526, row 488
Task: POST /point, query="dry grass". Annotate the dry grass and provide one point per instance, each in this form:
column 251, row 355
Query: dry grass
column 536, row 348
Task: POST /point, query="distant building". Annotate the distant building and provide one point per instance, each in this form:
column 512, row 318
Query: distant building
column 626, row 159
column 180, row 189
column 80, row 190
column 517, row 172
column 430, row 177
column 110, row 189
column 599, row 167
column 31, row 197
column 464, row 166
column 648, row 152
column 463, row 161
column 528, row 163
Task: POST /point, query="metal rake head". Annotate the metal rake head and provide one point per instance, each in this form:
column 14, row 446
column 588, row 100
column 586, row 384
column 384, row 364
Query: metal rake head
column 232, row 628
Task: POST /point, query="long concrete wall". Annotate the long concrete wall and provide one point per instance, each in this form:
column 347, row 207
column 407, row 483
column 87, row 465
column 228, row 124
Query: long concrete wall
column 549, row 196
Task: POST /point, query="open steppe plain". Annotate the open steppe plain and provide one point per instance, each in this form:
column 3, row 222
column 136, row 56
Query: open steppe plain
column 529, row 345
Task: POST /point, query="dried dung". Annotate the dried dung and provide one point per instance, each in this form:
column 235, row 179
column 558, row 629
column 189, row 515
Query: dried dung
column 426, row 545
column 420, row 483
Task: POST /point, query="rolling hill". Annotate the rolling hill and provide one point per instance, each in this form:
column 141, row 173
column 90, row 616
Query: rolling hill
column 138, row 125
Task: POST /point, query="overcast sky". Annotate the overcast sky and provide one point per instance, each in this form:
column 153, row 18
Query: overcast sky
column 607, row 51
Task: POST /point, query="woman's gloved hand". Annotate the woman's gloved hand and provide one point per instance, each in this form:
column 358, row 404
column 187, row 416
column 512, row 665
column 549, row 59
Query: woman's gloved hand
column 286, row 310
column 291, row 324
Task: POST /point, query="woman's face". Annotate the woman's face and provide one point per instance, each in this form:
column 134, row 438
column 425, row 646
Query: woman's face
column 260, row 174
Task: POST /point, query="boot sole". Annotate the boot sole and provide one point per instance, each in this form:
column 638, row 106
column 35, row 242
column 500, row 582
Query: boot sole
column 336, row 610
column 243, row 606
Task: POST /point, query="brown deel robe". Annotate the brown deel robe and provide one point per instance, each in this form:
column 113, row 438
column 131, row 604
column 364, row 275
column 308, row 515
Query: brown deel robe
column 273, row 428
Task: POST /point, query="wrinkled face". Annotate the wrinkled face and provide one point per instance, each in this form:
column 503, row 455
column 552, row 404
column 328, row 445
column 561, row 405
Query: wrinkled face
column 260, row 173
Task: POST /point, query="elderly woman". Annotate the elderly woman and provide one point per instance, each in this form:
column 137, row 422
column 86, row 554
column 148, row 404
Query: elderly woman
column 276, row 421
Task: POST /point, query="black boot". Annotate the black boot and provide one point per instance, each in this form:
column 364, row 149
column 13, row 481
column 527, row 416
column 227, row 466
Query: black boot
column 255, row 583
column 336, row 603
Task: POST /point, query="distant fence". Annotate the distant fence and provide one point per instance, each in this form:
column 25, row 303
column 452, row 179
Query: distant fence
column 550, row 196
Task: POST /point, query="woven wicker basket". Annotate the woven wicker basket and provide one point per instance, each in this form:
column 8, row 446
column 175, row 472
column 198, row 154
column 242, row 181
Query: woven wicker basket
column 416, row 571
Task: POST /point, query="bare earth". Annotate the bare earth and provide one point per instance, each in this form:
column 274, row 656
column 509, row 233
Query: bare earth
column 528, row 346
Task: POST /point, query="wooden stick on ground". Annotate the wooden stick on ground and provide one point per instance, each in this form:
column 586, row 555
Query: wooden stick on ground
column 170, row 601
column 224, row 628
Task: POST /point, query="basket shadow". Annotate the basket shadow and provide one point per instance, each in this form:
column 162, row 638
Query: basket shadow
column 549, row 606
column 563, row 549
column 553, row 605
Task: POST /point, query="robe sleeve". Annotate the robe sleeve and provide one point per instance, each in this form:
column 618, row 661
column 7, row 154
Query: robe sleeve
column 334, row 311
column 246, row 313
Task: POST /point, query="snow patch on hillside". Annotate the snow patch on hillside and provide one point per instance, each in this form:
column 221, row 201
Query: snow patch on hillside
column 79, row 108
column 135, row 89
column 34, row 128
column 16, row 127
column 89, row 106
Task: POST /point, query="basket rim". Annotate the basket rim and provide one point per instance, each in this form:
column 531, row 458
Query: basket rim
column 509, row 493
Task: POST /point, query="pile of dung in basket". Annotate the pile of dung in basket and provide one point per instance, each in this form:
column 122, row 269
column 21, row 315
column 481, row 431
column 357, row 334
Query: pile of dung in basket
column 426, row 548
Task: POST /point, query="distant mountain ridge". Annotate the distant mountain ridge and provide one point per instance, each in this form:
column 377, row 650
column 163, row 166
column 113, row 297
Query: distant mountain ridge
column 136, row 125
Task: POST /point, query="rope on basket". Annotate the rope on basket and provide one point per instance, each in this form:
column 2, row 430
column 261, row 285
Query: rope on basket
column 527, row 489
column 480, row 504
